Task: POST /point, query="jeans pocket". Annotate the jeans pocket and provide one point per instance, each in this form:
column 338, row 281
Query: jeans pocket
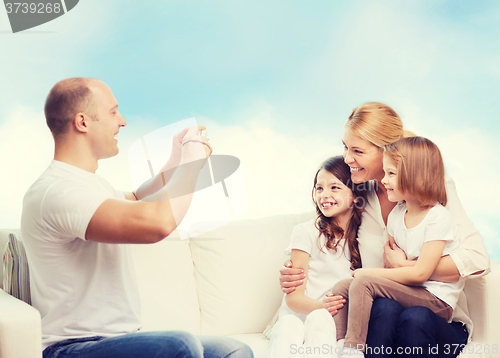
column 68, row 348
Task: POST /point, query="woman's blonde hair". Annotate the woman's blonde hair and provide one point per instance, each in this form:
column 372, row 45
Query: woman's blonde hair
column 377, row 123
column 420, row 169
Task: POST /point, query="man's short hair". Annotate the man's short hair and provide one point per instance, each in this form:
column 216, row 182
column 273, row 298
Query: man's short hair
column 67, row 98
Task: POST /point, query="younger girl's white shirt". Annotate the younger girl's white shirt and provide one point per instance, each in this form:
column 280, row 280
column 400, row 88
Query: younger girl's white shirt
column 326, row 267
column 437, row 224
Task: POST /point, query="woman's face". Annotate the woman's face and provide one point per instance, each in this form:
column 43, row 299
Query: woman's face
column 364, row 158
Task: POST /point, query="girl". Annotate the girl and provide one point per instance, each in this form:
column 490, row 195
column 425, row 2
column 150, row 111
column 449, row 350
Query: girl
column 327, row 250
column 422, row 227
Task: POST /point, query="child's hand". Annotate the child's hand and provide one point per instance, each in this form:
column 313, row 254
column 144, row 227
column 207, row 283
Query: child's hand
column 393, row 257
column 361, row 272
column 333, row 303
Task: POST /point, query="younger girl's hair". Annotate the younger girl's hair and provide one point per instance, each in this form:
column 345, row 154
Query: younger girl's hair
column 420, row 169
column 328, row 226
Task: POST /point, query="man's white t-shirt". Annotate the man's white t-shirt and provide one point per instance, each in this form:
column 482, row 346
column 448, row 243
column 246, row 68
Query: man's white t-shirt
column 326, row 267
column 437, row 224
column 81, row 288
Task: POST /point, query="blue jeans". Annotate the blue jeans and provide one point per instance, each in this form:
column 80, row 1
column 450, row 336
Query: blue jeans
column 413, row 332
column 168, row 344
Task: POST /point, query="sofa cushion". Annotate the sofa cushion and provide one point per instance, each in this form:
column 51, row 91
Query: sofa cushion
column 237, row 270
column 4, row 240
column 167, row 287
column 16, row 280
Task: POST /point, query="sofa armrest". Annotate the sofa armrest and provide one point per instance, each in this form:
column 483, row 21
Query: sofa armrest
column 493, row 310
column 20, row 329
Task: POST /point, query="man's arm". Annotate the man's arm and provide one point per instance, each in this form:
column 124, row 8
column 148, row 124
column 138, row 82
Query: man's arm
column 154, row 217
column 130, row 196
column 126, row 222
column 151, row 186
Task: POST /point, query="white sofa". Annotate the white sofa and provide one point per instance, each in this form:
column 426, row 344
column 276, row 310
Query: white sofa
column 226, row 283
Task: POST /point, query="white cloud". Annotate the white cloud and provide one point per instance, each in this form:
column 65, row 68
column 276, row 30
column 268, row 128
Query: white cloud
column 26, row 149
column 278, row 168
column 470, row 157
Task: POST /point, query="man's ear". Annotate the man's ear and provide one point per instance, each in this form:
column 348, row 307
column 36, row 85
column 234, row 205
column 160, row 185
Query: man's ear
column 80, row 122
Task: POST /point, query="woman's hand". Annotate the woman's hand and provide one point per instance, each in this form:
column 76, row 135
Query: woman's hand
column 333, row 303
column 394, row 257
column 290, row 277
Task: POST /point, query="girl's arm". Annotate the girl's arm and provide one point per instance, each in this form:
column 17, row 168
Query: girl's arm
column 470, row 259
column 297, row 300
column 412, row 275
column 445, row 271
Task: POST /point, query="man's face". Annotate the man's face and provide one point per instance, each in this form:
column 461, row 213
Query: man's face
column 105, row 121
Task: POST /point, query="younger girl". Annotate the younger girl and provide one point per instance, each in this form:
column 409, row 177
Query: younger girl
column 327, row 250
column 422, row 227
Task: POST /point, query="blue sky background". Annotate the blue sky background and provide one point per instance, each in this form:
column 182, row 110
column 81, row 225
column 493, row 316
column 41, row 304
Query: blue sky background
column 273, row 81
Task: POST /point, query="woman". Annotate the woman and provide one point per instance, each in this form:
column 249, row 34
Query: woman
column 392, row 330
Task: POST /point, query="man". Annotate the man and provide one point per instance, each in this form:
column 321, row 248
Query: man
column 74, row 226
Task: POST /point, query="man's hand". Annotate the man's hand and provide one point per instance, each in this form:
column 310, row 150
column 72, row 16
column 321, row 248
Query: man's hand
column 333, row 303
column 393, row 257
column 175, row 156
column 194, row 146
column 290, row 277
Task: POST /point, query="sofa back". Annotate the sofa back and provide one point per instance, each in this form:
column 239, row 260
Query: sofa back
column 236, row 271
column 226, row 282
column 220, row 283
column 169, row 298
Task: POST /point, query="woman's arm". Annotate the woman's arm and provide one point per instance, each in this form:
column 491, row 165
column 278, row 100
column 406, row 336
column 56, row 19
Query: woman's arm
column 290, row 277
column 411, row 275
column 471, row 258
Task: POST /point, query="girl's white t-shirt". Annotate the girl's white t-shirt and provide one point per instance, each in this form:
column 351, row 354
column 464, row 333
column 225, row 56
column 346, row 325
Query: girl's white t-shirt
column 326, row 267
column 471, row 256
column 436, row 225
